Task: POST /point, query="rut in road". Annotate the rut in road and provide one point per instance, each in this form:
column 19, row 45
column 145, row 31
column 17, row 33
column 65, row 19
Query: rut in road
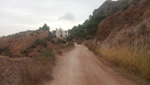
column 81, row 67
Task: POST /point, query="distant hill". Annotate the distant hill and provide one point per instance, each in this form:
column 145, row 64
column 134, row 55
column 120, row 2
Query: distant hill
column 89, row 28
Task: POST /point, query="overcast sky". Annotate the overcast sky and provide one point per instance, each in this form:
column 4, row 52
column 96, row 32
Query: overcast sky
column 22, row 15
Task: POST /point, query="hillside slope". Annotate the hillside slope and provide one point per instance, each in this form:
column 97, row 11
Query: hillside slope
column 128, row 27
column 26, row 58
column 110, row 7
column 123, row 39
column 88, row 29
column 19, row 45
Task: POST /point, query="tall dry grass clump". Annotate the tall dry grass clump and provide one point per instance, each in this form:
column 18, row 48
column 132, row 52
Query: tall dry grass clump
column 40, row 70
column 91, row 47
column 46, row 57
column 35, row 74
column 132, row 60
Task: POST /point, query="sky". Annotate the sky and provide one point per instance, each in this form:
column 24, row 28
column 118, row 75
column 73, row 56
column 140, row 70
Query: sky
column 22, row 15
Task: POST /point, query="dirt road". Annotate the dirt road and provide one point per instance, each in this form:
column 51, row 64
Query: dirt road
column 81, row 67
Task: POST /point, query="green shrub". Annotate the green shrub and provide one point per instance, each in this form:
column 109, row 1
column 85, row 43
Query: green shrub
column 69, row 38
column 45, row 27
column 45, row 56
column 50, row 37
column 70, row 44
column 135, row 2
column 91, row 47
column 62, row 46
column 36, row 43
column 79, row 41
column 61, row 41
column 5, row 51
column 126, row 7
column 26, row 51
column 53, row 41
column 39, row 42
column 89, row 37
column 31, row 34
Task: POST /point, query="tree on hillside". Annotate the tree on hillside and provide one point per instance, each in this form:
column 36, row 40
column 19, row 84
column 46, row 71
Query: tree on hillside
column 50, row 35
column 45, row 27
column 90, row 26
column 87, row 29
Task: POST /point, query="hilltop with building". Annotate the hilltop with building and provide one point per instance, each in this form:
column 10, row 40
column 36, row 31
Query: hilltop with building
column 30, row 54
column 60, row 33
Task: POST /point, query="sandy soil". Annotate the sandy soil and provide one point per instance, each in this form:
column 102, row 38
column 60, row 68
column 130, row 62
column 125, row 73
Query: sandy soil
column 81, row 67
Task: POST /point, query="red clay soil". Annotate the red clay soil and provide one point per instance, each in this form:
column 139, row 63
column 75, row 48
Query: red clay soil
column 13, row 45
column 81, row 67
column 10, row 70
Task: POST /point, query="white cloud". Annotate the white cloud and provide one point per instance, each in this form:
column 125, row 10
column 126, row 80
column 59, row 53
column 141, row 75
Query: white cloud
column 21, row 15
column 68, row 16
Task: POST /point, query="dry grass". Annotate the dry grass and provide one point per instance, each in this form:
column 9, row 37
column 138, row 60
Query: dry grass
column 91, row 47
column 35, row 74
column 134, row 61
column 130, row 59
column 40, row 70
column 46, row 57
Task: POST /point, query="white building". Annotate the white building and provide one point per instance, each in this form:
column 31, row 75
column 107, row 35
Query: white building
column 60, row 33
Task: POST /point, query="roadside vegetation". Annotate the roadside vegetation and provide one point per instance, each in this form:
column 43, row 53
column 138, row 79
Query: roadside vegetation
column 40, row 42
column 91, row 47
column 133, row 60
column 41, row 69
column 87, row 29
column 130, row 59
column 46, row 57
